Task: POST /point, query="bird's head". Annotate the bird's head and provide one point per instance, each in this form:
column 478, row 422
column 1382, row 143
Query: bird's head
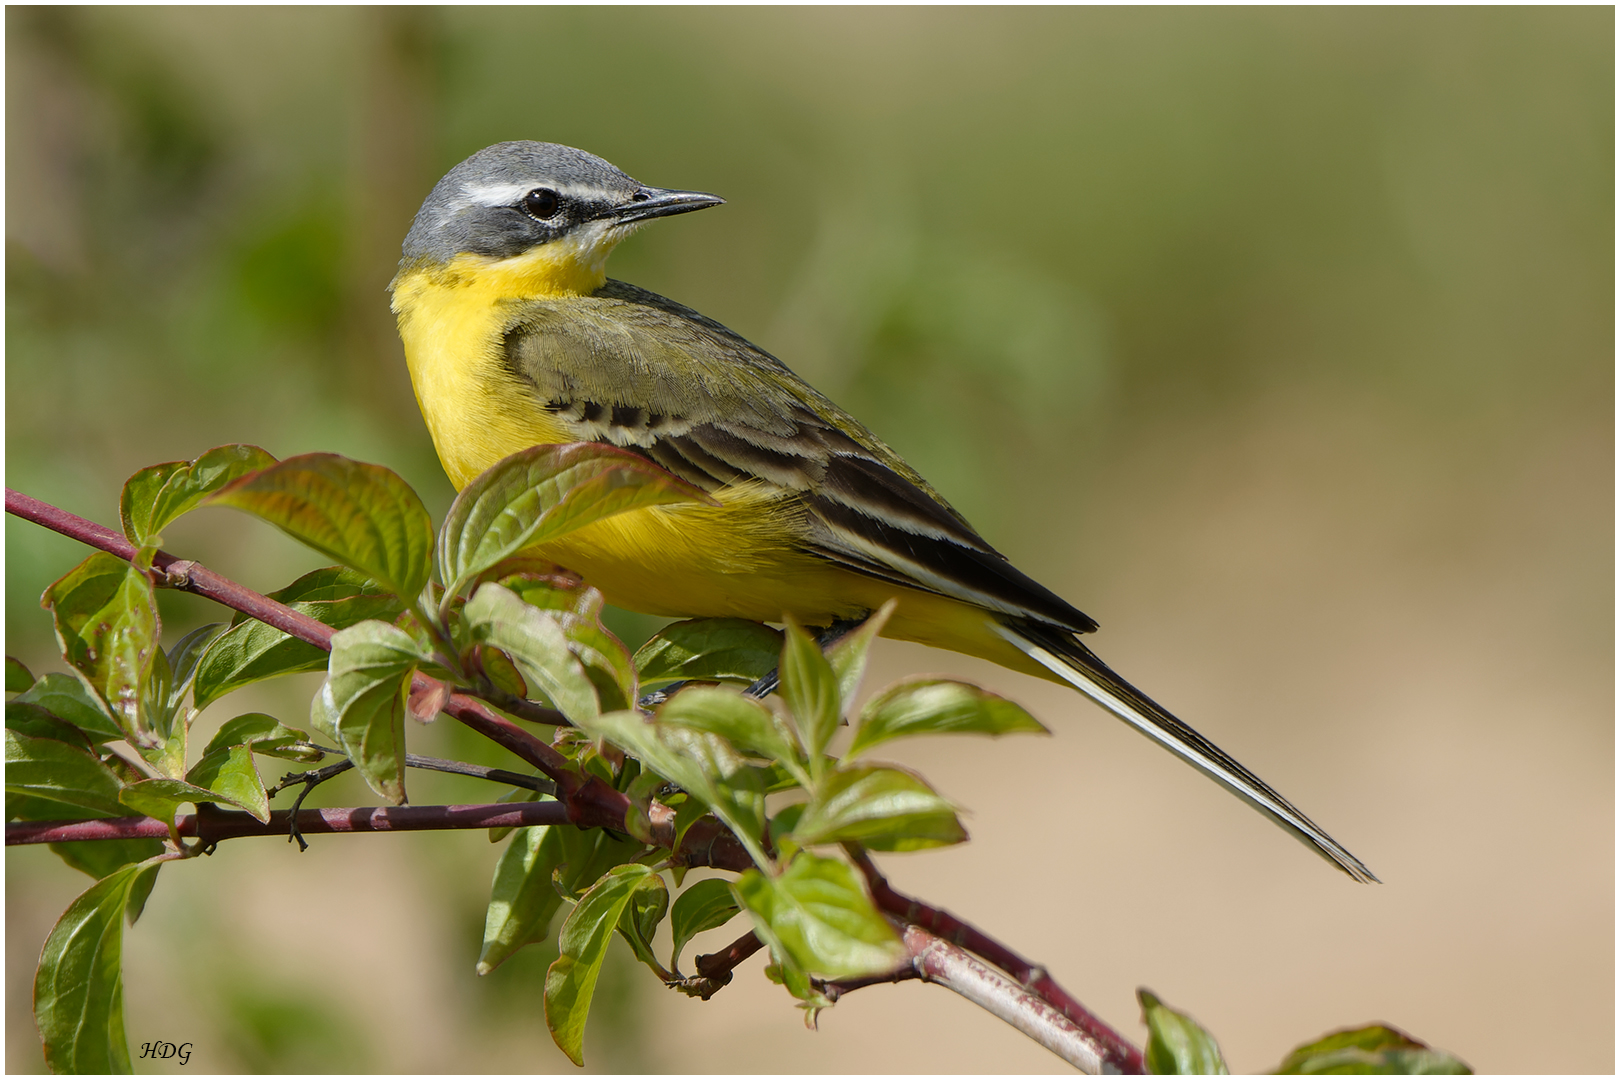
column 539, row 217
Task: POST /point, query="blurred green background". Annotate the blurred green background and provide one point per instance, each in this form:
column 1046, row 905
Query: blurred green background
column 1280, row 341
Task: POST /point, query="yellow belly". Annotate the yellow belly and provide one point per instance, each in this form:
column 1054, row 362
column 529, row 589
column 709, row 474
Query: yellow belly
column 736, row 560
column 739, row 559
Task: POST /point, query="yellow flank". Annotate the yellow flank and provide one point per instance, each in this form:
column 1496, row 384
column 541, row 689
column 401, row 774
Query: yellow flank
column 738, row 559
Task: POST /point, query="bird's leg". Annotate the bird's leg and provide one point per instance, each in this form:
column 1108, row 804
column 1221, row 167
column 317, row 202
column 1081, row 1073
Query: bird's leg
column 766, row 684
column 838, row 629
column 651, row 701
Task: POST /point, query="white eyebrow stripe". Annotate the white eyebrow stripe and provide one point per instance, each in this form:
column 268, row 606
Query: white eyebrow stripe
column 509, row 194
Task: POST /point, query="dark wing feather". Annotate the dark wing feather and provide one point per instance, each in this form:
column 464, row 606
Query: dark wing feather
column 628, row 367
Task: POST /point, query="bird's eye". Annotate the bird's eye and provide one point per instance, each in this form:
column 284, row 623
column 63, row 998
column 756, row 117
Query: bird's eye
column 541, row 203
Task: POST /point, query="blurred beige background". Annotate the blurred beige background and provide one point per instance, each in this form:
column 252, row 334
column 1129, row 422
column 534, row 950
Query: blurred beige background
column 1280, row 341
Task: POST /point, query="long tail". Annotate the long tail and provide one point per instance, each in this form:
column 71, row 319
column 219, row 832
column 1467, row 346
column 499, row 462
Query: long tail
column 1077, row 665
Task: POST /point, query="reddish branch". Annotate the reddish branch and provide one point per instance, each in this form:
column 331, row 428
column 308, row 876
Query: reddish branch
column 718, row 966
column 714, row 969
column 1039, row 1009
column 705, row 844
column 1090, row 1046
column 935, row 960
column 212, row 826
column 1116, row 1053
column 938, row 961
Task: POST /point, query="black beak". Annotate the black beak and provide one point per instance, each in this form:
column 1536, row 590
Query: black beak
column 651, row 202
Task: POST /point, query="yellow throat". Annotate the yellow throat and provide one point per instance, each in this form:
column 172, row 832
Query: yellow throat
column 451, row 319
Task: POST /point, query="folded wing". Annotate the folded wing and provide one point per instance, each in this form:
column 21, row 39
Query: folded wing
column 633, row 369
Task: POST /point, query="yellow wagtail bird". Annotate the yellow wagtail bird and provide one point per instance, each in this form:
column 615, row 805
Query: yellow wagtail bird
column 516, row 337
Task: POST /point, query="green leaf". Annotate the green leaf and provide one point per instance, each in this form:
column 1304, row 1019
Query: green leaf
column 847, row 655
column 741, row 721
column 687, row 813
column 583, row 942
column 811, row 691
column 364, row 516
column 184, row 659
column 68, row 698
column 1176, row 1044
column 783, row 822
column 521, row 898
column 163, row 700
column 145, row 880
column 63, row 774
column 719, row 650
column 107, row 624
column 703, row 765
column 363, row 700
column 644, row 784
column 538, row 582
column 126, row 772
column 28, row 808
column 796, row 980
column 647, row 908
column 1376, row 1048
column 166, row 758
column 926, row 706
column 18, row 677
column 251, row 651
column 885, row 809
column 159, row 494
column 323, row 716
column 497, row 833
column 535, row 641
column 577, row 609
column 587, row 854
column 78, row 987
column 266, row 735
column 501, row 672
column 818, row 915
column 542, row 493
column 705, row 905
column 161, row 797
column 98, row 858
column 606, row 661
column 231, row 773
column 26, row 719
column 164, row 748
column 338, row 596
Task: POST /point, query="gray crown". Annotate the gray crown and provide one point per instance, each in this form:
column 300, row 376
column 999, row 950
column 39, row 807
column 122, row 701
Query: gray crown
column 476, row 207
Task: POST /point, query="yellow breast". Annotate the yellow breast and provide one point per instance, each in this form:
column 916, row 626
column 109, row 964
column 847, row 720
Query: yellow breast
column 477, row 410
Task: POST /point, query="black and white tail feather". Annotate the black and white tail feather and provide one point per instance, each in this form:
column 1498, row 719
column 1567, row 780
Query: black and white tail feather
column 1078, row 666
